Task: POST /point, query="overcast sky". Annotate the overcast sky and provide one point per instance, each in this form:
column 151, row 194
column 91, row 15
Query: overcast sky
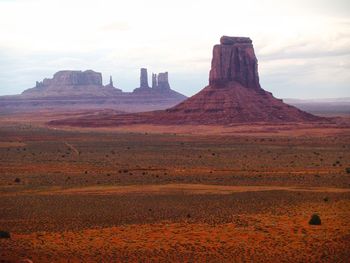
column 303, row 47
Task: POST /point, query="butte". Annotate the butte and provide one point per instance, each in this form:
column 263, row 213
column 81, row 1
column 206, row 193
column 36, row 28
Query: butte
column 233, row 96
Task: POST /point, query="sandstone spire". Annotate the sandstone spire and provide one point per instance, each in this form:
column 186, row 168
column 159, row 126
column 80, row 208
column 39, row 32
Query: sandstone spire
column 143, row 78
column 154, row 81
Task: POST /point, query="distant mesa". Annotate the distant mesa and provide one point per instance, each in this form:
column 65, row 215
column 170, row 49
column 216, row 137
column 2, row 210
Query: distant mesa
column 71, row 77
column 72, row 89
column 89, row 83
column 72, row 83
column 234, row 95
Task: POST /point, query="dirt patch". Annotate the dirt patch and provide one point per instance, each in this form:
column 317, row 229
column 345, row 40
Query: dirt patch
column 11, row 144
column 167, row 189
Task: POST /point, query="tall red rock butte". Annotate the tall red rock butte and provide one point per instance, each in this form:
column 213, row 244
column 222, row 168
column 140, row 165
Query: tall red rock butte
column 234, row 95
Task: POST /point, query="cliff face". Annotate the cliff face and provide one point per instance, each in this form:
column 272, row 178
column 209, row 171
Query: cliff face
column 144, row 79
column 72, row 78
column 72, row 83
column 67, row 77
column 234, row 60
column 163, row 81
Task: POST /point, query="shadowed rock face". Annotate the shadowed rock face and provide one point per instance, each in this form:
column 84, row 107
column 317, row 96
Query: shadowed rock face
column 234, row 60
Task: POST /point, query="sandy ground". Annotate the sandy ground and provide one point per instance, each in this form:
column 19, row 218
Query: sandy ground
column 166, row 189
column 173, row 194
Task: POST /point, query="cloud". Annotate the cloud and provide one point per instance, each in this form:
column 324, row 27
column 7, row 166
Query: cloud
column 298, row 43
column 331, row 46
column 116, row 26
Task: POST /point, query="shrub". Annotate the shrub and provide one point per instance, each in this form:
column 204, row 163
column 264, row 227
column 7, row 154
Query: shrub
column 4, row 234
column 347, row 170
column 315, row 220
column 17, row 180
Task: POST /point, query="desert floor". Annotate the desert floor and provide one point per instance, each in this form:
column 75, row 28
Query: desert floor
column 131, row 196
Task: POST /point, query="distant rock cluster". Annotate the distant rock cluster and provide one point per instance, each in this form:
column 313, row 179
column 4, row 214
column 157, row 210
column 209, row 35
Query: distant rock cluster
column 160, row 82
column 72, row 82
column 73, row 89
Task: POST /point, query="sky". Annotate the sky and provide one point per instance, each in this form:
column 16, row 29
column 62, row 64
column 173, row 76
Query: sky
column 303, row 47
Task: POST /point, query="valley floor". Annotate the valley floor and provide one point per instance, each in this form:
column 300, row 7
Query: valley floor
column 126, row 196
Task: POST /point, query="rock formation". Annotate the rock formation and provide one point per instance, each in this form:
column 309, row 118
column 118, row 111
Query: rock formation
column 162, row 81
column 154, row 80
column 69, row 83
column 233, row 95
column 69, row 90
column 143, row 78
column 111, row 86
column 70, row 77
column 160, row 86
column 234, row 60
